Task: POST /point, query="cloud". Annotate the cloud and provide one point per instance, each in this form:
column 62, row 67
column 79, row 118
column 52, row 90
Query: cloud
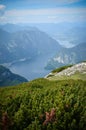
column 45, row 15
column 50, row 11
column 52, row 17
column 2, row 9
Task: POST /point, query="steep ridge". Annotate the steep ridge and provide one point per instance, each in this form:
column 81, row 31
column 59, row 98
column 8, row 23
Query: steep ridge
column 7, row 78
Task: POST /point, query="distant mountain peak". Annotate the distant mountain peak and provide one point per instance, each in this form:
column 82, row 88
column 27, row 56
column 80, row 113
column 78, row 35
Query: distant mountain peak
column 68, row 56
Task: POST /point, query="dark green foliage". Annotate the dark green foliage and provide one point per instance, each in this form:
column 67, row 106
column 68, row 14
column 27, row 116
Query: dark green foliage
column 44, row 105
column 7, row 78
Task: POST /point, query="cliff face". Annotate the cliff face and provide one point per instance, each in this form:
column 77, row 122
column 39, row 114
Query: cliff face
column 68, row 56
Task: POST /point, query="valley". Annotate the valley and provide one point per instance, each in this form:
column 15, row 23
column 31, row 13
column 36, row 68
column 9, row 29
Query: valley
column 31, row 69
column 32, row 53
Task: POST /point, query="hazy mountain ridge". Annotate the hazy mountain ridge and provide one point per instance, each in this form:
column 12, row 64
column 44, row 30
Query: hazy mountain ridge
column 31, row 42
column 68, row 56
column 7, row 78
column 66, row 33
column 12, row 28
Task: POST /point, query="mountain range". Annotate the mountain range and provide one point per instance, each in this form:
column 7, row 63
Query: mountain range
column 25, row 44
column 68, row 56
column 68, row 34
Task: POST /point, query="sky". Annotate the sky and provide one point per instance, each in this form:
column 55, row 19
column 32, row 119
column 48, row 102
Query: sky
column 42, row 11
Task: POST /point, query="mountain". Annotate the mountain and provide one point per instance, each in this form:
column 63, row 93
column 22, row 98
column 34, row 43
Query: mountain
column 66, row 33
column 25, row 44
column 11, row 28
column 68, row 56
column 5, row 54
column 7, row 78
column 77, row 71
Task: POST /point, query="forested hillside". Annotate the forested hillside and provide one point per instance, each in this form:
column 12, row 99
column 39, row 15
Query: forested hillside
column 7, row 78
column 44, row 105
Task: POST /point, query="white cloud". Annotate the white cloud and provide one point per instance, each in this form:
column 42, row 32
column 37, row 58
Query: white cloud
column 52, row 11
column 52, row 17
column 2, row 9
column 45, row 15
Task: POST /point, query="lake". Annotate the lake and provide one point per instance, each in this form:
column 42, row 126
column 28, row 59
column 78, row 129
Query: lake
column 31, row 69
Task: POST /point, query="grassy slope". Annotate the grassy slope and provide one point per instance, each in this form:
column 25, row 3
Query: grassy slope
column 27, row 103
column 61, row 68
column 75, row 76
